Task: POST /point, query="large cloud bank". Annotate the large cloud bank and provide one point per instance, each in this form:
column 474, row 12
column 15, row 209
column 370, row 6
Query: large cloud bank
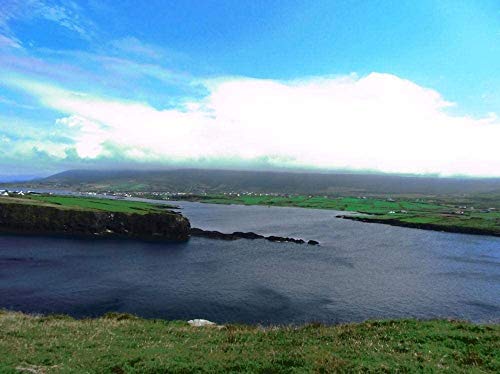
column 377, row 122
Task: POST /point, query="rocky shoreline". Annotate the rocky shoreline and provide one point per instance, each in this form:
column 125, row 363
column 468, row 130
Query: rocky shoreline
column 246, row 235
column 422, row 226
column 29, row 219
column 43, row 220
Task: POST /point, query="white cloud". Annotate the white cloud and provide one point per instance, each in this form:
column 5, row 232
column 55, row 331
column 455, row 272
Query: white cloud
column 89, row 135
column 9, row 42
column 136, row 47
column 379, row 122
column 67, row 14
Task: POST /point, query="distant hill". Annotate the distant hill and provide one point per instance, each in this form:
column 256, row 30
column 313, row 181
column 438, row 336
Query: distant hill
column 17, row 178
column 212, row 181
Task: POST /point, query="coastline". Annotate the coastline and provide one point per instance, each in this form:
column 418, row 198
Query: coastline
column 23, row 216
column 449, row 223
column 423, row 226
column 360, row 215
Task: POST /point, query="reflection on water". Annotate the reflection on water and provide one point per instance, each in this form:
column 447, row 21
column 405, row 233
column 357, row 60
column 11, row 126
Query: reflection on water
column 360, row 271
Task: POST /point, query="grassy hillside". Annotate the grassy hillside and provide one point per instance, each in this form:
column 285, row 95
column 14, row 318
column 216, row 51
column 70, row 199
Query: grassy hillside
column 125, row 344
column 85, row 203
column 217, row 181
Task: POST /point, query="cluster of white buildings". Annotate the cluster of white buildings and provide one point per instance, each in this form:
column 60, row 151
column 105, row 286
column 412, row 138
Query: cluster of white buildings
column 15, row 193
column 254, row 194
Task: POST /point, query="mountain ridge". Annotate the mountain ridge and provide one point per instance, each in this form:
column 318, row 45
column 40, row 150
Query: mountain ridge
column 218, row 180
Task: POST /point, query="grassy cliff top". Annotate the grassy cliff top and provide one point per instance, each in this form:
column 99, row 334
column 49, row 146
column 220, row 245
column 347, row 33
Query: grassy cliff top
column 86, row 203
column 126, row 344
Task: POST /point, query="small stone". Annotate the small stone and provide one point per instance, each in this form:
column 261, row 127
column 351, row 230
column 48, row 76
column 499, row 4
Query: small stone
column 201, row 323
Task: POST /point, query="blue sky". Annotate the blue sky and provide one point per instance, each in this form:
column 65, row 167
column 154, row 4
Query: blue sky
column 392, row 86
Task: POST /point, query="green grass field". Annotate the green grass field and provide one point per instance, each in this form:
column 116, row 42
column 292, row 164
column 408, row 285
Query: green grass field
column 86, row 203
column 440, row 212
column 126, row 344
column 368, row 205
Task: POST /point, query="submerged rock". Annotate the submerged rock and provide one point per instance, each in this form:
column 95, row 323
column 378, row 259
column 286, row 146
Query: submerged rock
column 245, row 235
column 248, row 235
column 212, row 234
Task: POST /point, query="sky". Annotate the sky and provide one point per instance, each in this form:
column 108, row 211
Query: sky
column 408, row 87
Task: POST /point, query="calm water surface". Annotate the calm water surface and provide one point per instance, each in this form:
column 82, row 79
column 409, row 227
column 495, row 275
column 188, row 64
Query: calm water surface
column 360, row 271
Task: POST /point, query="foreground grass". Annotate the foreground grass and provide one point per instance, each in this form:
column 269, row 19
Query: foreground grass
column 86, row 203
column 124, row 344
column 439, row 212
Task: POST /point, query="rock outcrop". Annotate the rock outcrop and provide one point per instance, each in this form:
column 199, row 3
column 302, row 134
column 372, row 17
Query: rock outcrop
column 201, row 323
column 246, row 235
column 35, row 219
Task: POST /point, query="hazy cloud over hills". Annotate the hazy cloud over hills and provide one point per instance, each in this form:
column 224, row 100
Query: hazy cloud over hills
column 76, row 91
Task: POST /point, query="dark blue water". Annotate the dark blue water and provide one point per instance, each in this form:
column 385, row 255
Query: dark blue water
column 360, row 271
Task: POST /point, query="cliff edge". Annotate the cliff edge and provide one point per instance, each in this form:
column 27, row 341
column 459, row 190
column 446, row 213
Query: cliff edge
column 16, row 217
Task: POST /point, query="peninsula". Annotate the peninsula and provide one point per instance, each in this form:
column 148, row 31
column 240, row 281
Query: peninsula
column 104, row 217
column 91, row 217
